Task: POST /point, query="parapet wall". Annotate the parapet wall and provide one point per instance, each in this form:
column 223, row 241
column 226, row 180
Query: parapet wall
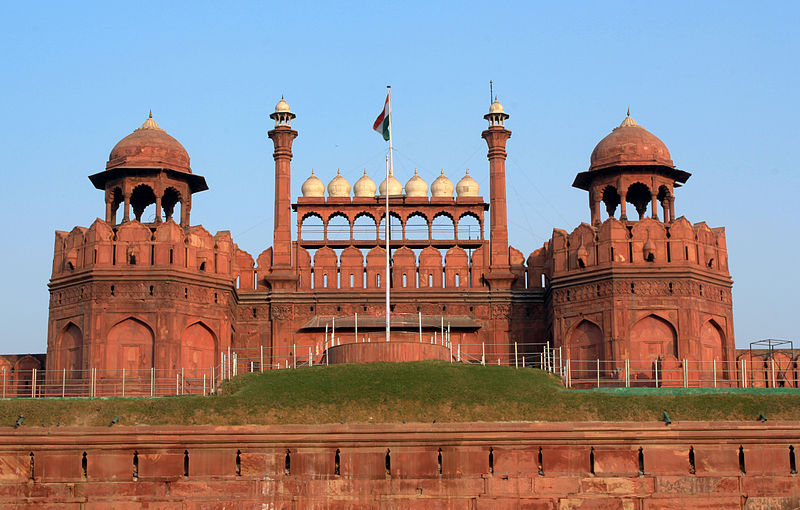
column 408, row 466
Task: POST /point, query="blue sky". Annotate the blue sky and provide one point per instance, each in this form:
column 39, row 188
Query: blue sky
column 716, row 81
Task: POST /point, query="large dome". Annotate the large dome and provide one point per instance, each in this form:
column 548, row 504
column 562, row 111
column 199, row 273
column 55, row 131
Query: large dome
column 149, row 147
column 627, row 145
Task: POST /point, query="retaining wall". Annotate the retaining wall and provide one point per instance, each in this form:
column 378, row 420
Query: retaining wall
column 699, row 465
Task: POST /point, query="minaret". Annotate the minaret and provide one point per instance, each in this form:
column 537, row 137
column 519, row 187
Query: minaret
column 282, row 136
column 496, row 137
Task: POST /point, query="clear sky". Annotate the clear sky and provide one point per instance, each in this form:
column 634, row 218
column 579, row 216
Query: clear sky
column 716, row 81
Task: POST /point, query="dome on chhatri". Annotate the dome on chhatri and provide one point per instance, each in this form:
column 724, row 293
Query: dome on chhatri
column 395, row 188
column 282, row 106
column 496, row 107
column 364, row 186
column 338, row 187
column 313, row 187
column 416, row 186
column 630, row 144
column 442, row 187
column 149, row 147
column 467, row 186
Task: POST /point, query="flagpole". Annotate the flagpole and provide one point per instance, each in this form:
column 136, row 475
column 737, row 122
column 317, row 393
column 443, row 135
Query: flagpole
column 389, row 171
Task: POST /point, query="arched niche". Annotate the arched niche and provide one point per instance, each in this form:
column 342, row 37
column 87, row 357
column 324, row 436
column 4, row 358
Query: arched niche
column 585, row 343
column 712, row 342
column 198, row 347
column 69, row 349
column 651, row 337
column 129, row 345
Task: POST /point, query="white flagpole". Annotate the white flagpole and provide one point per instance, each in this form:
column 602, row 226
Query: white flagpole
column 389, row 171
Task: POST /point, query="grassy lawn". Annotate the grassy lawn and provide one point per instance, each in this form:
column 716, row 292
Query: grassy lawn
column 393, row 392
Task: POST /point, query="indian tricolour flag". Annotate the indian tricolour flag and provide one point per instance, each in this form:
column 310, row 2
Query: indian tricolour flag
column 382, row 122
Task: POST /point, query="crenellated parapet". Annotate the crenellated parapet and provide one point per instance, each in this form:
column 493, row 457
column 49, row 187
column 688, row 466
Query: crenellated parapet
column 647, row 243
column 137, row 248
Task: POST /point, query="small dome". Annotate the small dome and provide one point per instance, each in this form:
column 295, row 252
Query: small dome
column 338, row 187
column 148, row 147
column 496, row 107
column 416, row 186
column 282, row 106
column 313, row 187
column 395, row 188
column 630, row 145
column 364, row 186
column 442, row 187
column 467, row 186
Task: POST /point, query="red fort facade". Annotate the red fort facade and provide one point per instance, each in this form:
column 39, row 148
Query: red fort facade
column 142, row 291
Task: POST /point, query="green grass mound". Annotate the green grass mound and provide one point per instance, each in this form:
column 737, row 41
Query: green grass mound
column 393, row 392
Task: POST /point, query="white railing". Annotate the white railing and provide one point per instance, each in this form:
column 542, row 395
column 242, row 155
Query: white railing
column 574, row 373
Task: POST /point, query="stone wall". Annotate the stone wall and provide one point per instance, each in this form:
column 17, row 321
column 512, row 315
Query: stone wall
column 454, row 466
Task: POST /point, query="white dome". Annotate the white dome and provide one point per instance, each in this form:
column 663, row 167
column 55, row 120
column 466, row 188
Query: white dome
column 416, row 186
column 395, row 188
column 364, row 186
column 496, row 107
column 313, row 187
column 467, row 186
column 442, row 187
column 338, row 187
column 282, row 106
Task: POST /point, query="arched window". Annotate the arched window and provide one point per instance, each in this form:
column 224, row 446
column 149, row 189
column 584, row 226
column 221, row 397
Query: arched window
column 365, row 228
column 311, row 228
column 443, row 227
column 143, row 201
column 639, row 195
column 469, row 227
column 417, row 227
column 338, row 227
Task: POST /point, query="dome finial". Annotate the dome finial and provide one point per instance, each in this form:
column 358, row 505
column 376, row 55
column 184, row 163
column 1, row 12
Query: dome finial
column 629, row 112
column 151, row 113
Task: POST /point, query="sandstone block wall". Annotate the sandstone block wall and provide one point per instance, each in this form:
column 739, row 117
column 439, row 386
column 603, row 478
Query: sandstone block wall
column 409, row 466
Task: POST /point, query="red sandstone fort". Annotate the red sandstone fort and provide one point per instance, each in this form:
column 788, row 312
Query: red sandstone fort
column 144, row 288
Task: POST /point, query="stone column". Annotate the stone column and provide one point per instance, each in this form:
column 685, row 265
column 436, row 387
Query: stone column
column 282, row 137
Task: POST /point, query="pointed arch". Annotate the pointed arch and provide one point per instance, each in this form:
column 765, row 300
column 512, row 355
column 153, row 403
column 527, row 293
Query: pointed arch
column 585, row 344
column 652, row 337
column 69, row 348
column 712, row 342
column 129, row 345
column 198, row 346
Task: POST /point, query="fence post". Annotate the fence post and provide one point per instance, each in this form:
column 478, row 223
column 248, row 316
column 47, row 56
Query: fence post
column 627, row 373
column 656, row 365
column 33, row 383
column 685, row 375
column 92, row 375
column 772, row 363
column 204, row 385
column 516, row 363
column 211, row 383
column 152, row 381
column 294, row 355
column 183, row 383
column 261, row 360
column 598, row 372
column 177, row 383
column 4, row 372
column 569, row 373
column 64, row 383
column 4, row 383
column 229, row 362
column 714, row 364
column 310, row 359
column 483, row 353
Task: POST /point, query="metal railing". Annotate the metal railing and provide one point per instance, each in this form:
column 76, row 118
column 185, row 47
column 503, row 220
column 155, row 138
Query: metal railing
column 574, row 373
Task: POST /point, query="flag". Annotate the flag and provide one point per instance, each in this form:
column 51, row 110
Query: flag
column 381, row 124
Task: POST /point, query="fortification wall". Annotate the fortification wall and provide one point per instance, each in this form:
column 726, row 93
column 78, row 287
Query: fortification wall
column 455, row 466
